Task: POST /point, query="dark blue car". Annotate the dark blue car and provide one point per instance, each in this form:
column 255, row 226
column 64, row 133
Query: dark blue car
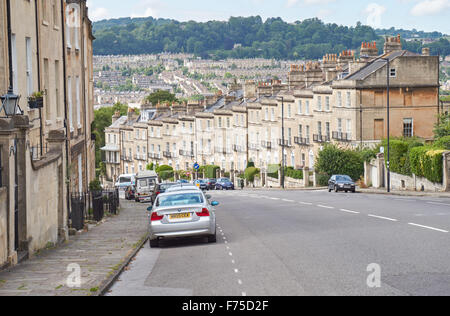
column 224, row 184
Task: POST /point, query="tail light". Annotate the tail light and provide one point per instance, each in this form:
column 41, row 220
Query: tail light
column 156, row 217
column 157, row 193
column 203, row 213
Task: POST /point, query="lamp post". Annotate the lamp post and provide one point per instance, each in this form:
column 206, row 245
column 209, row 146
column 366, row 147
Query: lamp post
column 10, row 103
column 282, row 141
column 388, row 126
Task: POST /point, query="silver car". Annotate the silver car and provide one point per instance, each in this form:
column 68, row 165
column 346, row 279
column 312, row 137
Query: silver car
column 178, row 214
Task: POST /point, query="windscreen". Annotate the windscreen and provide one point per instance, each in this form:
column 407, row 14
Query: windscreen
column 179, row 199
column 124, row 180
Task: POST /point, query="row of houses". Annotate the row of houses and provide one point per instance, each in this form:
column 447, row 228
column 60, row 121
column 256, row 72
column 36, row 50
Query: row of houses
column 46, row 149
column 341, row 100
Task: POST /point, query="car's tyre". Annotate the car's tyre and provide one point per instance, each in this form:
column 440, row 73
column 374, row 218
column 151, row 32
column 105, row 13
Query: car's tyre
column 354, row 191
column 336, row 189
column 346, row 191
column 153, row 243
column 212, row 238
column 329, row 190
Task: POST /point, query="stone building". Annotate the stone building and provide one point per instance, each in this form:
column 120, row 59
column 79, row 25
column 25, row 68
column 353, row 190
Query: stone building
column 341, row 100
column 34, row 160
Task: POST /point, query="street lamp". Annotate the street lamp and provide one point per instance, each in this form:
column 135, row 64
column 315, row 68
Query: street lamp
column 388, row 122
column 283, row 163
column 10, row 103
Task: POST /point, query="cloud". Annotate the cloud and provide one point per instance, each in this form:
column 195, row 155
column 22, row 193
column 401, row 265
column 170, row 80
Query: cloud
column 145, row 8
column 430, row 7
column 291, row 3
column 97, row 14
column 374, row 13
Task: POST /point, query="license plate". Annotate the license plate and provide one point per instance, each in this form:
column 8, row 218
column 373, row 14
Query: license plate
column 180, row 216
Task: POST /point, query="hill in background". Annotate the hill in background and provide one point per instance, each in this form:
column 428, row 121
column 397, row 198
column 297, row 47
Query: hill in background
column 247, row 37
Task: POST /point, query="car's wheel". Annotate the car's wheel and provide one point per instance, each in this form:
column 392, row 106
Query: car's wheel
column 353, row 190
column 212, row 238
column 346, row 191
column 329, row 190
column 336, row 189
column 153, row 243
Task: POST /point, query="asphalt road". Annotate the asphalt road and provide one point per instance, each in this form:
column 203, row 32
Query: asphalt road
column 304, row 243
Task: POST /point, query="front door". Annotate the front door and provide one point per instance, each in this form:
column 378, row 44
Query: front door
column 378, row 129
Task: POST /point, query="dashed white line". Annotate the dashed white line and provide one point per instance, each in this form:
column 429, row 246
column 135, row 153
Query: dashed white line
column 382, row 217
column 324, row 206
column 286, row 200
column 437, row 203
column 244, row 294
column 231, row 254
column 276, row 199
column 305, row 203
column 348, row 211
column 240, row 282
column 428, row 227
column 236, row 271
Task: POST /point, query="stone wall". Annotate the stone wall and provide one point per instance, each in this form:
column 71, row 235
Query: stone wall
column 402, row 182
column 3, row 226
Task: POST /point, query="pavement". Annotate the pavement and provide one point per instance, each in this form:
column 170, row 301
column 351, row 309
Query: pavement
column 273, row 242
column 99, row 255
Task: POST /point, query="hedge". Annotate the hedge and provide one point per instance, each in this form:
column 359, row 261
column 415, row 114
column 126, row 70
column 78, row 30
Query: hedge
column 427, row 162
column 272, row 170
column 442, row 143
column 294, row 174
column 250, row 174
column 400, row 154
column 210, row 171
column 333, row 160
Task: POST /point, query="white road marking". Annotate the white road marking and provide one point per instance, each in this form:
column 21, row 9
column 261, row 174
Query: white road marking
column 437, row 203
column 233, row 262
column 236, row 271
column 286, row 200
column 231, row 254
column 244, row 294
column 240, row 282
column 276, row 199
column 382, row 217
column 428, row 227
column 348, row 211
column 324, row 206
column 305, row 203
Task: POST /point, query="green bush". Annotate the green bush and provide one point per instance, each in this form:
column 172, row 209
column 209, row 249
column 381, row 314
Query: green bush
column 250, row 174
column 400, row 149
column 210, row 171
column 322, row 179
column 442, row 143
column 294, row 174
column 427, row 162
column 95, row 185
column 272, row 171
column 333, row 160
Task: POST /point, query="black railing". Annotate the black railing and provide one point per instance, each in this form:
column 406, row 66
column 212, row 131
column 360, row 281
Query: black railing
column 345, row 137
column 301, row 141
column 126, row 158
column 186, row 153
column 168, row 154
column 238, row 149
column 142, row 157
column 92, row 206
column 154, row 156
column 287, row 142
column 321, row 138
column 253, row 146
column 267, row 145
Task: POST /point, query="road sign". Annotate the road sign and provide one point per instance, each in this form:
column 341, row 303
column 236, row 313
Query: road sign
column 196, row 166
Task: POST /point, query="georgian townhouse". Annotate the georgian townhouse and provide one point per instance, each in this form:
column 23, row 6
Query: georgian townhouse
column 255, row 130
column 140, row 129
column 155, row 142
column 304, row 117
column 223, row 151
column 204, row 121
column 271, row 131
column 113, row 156
column 239, row 137
column 46, row 163
column 187, row 144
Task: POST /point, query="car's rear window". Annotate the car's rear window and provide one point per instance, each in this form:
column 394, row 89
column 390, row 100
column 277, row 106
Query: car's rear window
column 179, row 199
column 124, row 180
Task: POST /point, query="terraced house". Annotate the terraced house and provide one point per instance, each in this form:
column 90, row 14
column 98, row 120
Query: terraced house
column 46, row 150
column 340, row 100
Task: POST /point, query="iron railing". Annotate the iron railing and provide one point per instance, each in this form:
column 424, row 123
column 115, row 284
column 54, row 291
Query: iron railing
column 37, row 153
column 345, row 137
column 267, row 145
column 301, row 141
column 92, row 205
column 186, row 153
column 321, row 138
column 154, row 156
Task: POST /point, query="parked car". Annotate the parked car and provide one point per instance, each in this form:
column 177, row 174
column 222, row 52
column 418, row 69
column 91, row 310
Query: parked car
column 341, row 183
column 130, row 192
column 160, row 188
column 224, row 184
column 181, row 214
column 210, row 184
column 182, row 181
column 183, row 187
column 145, row 183
column 201, row 184
column 125, row 180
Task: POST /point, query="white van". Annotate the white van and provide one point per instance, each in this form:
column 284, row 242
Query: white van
column 124, row 181
column 145, row 183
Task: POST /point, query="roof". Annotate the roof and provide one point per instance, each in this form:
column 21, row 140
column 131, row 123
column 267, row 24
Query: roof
column 377, row 64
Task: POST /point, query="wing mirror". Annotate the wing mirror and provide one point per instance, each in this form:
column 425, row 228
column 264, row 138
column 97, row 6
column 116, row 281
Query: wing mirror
column 208, row 196
column 214, row 203
column 150, row 208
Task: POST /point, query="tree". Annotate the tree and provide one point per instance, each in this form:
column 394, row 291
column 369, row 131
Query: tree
column 161, row 96
column 442, row 128
column 333, row 160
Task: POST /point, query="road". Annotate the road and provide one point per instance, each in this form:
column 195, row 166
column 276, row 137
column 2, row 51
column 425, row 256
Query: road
column 304, row 243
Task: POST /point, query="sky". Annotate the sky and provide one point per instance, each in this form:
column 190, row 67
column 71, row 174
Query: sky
column 423, row 15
